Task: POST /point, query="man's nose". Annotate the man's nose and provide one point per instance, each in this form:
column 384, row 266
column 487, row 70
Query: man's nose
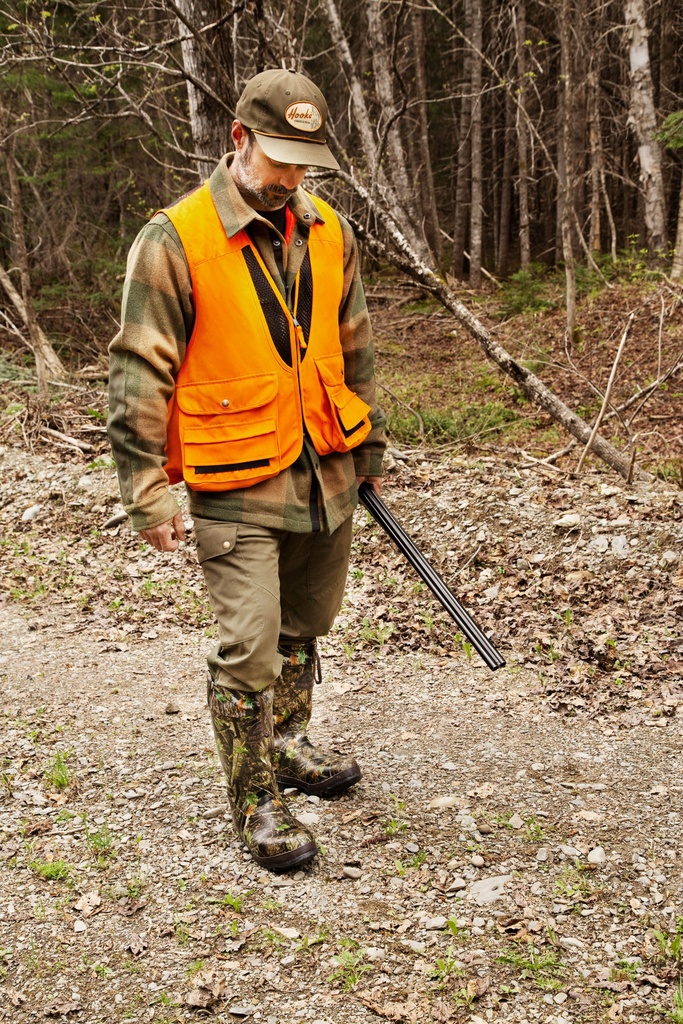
column 291, row 176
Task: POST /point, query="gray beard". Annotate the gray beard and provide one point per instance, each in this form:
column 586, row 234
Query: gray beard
column 270, row 196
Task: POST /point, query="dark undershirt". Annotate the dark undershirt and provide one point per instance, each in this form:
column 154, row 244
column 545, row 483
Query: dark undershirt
column 278, row 218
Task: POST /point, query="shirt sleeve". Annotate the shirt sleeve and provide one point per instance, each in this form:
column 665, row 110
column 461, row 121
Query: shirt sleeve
column 359, row 359
column 145, row 356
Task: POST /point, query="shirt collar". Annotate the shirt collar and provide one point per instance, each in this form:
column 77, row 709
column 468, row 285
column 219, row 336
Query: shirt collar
column 235, row 213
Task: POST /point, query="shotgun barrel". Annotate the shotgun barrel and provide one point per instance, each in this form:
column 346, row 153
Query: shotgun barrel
column 464, row 621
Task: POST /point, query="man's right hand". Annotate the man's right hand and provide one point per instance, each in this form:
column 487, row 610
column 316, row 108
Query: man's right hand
column 165, row 536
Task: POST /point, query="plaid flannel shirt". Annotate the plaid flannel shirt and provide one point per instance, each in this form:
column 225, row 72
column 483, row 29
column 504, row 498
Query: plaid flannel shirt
column 146, row 354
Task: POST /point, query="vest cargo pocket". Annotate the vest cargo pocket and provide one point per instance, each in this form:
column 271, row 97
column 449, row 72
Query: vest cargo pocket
column 228, row 432
column 347, row 423
column 231, row 451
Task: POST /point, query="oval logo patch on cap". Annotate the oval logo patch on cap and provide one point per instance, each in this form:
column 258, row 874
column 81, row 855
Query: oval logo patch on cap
column 303, row 115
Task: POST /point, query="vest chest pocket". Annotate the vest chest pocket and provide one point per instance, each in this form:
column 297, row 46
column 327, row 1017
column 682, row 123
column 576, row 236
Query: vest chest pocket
column 228, row 431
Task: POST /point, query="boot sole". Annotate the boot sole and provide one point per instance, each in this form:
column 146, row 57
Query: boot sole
column 326, row 787
column 289, row 860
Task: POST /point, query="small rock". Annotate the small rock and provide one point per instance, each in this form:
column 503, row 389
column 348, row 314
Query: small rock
column 214, row 812
column 571, row 521
column 478, row 922
column 570, row 851
column 457, row 884
column 313, row 799
column 80, row 926
column 516, row 822
column 172, row 708
column 542, row 855
column 599, row 544
column 620, row 546
column 308, row 817
column 443, row 801
column 412, row 848
column 477, row 860
column 288, row 933
column 668, row 558
column 569, row 943
column 492, row 592
column 435, row 924
column 416, row 947
column 373, row 953
column 449, row 766
column 597, row 856
column 488, row 890
column 242, row 1011
column 31, row 513
column 350, row 872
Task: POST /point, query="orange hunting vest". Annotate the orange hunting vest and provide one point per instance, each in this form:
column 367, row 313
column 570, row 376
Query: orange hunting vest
column 255, row 372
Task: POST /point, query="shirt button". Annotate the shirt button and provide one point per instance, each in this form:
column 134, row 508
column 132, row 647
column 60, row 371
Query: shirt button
column 307, row 216
column 298, row 241
column 276, row 241
column 227, row 544
column 225, row 403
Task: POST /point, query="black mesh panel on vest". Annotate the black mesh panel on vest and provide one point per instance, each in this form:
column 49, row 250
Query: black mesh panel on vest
column 304, row 307
column 278, row 325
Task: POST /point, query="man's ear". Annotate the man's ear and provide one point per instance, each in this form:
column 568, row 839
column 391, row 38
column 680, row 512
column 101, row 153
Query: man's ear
column 239, row 134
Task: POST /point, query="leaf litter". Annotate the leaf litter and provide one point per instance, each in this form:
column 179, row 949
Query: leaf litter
column 572, row 747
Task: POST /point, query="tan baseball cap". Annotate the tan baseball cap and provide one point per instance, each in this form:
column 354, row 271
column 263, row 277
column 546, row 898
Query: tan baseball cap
column 288, row 114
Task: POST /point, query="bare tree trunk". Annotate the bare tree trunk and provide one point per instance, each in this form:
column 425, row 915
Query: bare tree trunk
column 644, row 121
column 476, row 206
column 567, row 186
column 48, row 364
column 506, row 188
column 677, row 266
column 522, row 136
column 462, row 181
column 426, row 179
column 207, row 59
column 595, row 161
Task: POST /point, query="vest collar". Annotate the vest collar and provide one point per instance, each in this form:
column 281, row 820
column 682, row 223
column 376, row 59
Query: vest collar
column 235, row 214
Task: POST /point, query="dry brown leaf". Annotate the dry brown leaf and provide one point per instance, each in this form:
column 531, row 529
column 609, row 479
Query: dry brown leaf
column 476, row 987
column 61, row 1007
column 15, row 997
column 207, row 991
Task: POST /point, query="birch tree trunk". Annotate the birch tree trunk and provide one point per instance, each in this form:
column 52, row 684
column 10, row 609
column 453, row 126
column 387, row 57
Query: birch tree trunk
column 644, row 122
column 208, row 62
column 522, row 136
column 476, row 207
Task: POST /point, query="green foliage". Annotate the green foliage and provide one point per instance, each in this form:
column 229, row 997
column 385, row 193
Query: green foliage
column 671, row 132
column 349, row 967
column 51, row 871
column 447, row 425
column 542, row 967
column 57, row 773
column 523, row 292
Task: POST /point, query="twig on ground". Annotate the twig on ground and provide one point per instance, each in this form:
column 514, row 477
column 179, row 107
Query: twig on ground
column 73, row 441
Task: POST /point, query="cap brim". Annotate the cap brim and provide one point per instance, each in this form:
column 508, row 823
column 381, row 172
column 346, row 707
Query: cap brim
column 291, row 151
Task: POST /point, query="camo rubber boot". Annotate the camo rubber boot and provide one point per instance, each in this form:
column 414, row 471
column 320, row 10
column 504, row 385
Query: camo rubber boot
column 243, row 727
column 297, row 762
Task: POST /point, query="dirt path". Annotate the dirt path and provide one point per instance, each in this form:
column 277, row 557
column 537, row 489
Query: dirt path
column 125, row 896
column 141, row 825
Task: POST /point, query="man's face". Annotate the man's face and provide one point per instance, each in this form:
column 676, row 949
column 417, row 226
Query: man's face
column 264, row 183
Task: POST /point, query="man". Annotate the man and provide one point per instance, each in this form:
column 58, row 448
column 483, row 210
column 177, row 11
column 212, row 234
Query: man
column 244, row 365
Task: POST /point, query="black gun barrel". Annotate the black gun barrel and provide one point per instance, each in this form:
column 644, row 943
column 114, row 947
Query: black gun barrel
column 464, row 621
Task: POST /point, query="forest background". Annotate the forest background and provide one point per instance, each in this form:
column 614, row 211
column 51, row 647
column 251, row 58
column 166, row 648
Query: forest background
column 508, row 159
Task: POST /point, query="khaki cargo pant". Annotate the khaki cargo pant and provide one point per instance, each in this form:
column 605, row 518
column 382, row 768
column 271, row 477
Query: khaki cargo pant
column 264, row 584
